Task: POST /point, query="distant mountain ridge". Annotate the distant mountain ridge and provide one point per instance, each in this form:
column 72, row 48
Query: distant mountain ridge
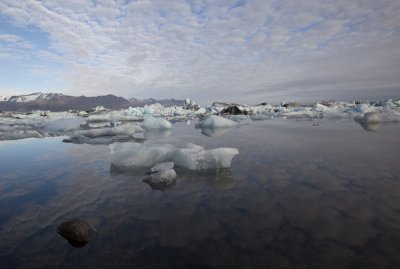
column 61, row 102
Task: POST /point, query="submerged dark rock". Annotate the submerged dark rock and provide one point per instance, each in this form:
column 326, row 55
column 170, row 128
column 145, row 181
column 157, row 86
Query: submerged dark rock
column 76, row 231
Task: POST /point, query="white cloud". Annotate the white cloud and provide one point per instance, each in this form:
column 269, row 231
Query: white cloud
column 213, row 50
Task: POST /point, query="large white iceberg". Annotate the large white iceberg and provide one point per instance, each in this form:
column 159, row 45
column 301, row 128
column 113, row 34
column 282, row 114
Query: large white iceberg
column 191, row 156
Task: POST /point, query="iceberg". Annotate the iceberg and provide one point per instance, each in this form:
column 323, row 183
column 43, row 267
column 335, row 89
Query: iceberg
column 64, row 125
column 191, row 156
column 126, row 129
column 151, row 123
column 194, row 157
column 140, row 155
column 161, row 179
column 216, row 122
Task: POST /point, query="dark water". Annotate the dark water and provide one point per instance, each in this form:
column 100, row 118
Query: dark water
column 297, row 196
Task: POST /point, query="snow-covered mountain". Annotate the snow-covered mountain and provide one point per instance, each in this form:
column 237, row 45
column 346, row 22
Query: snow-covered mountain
column 61, row 102
column 30, row 97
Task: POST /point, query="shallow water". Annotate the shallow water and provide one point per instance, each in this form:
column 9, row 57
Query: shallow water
column 301, row 194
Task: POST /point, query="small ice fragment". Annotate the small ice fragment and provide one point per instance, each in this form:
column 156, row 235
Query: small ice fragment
column 201, row 111
column 83, row 114
column 161, row 166
column 161, row 179
column 151, row 123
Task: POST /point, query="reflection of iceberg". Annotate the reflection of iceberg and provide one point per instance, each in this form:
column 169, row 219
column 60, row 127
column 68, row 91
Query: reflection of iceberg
column 371, row 127
column 102, row 140
column 219, row 179
column 214, row 132
column 192, row 156
column 156, row 134
column 127, row 171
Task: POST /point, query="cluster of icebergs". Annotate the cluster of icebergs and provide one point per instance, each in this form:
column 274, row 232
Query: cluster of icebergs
column 126, row 131
column 155, row 119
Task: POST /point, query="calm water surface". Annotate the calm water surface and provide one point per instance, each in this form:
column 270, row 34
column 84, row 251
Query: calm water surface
column 297, row 196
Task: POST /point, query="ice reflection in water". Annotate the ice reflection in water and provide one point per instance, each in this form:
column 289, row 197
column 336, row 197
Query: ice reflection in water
column 297, row 196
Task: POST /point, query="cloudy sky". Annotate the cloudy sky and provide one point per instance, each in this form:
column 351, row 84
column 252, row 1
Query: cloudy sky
column 237, row 50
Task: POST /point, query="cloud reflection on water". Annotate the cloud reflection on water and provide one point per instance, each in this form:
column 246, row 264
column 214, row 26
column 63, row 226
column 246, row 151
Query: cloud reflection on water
column 295, row 194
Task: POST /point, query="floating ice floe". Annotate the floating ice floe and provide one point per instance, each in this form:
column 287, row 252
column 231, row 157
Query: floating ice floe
column 216, row 126
column 126, row 130
column 192, row 156
column 8, row 132
column 162, row 176
column 152, row 123
column 64, row 125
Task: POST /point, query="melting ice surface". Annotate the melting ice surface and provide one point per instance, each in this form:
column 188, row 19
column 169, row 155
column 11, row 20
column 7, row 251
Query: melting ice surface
column 308, row 192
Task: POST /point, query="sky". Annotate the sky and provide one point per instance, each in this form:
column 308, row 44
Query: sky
column 247, row 51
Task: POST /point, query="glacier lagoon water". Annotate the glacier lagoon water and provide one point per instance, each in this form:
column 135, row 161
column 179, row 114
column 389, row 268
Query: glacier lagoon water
column 301, row 194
